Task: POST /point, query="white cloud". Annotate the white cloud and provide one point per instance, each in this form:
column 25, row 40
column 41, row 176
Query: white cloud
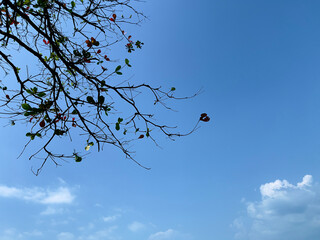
column 62, row 195
column 88, row 226
column 285, row 211
column 65, row 236
column 170, row 234
column 162, row 235
column 136, row 226
column 111, row 218
column 13, row 234
column 34, row 233
column 63, row 182
column 104, row 234
column 52, row 211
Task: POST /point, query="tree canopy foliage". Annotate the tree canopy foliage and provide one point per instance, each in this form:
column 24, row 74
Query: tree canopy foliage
column 71, row 90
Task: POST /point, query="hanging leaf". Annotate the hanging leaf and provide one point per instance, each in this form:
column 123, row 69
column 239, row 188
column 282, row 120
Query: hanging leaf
column 42, row 123
column 101, row 99
column 90, row 99
column 77, row 158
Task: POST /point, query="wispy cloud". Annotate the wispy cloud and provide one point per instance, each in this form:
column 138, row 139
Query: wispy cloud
column 285, row 211
column 61, row 195
column 111, row 218
column 12, row 233
column 170, row 234
column 136, row 226
column 50, row 210
column 104, row 234
column 65, row 236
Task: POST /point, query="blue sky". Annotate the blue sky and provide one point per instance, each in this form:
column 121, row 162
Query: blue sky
column 251, row 173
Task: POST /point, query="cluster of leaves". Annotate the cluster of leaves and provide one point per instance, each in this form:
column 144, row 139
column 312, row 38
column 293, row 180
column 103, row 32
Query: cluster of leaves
column 73, row 88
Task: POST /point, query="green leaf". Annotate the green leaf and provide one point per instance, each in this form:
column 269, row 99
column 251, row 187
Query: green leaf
column 74, row 111
column 28, row 134
column 41, row 94
column 119, row 73
column 90, row 99
column 118, row 68
column 73, row 4
column 47, row 118
column 87, row 54
column 117, row 126
column 101, row 99
column 127, row 62
column 77, row 158
column 77, row 53
column 139, row 44
column 59, row 132
column 26, row 106
column 173, row 89
column 4, row 88
column 120, row 120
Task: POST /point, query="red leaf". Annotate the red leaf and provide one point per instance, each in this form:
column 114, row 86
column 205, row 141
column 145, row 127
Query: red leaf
column 89, row 44
column 99, row 51
column 8, row 97
column 46, row 42
column 42, row 123
column 205, row 119
column 141, row 136
column 111, row 19
column 114, row 16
